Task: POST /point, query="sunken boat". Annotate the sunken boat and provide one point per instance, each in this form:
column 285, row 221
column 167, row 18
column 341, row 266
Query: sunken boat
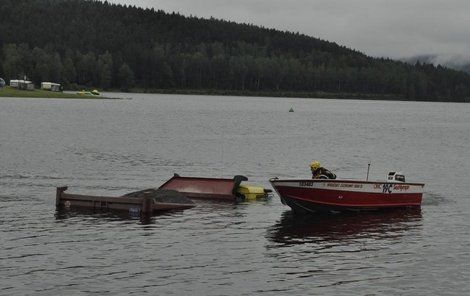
column 144, row 202
column 220, row 189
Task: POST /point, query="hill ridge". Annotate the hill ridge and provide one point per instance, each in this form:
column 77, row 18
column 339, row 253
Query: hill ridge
column 94, row 43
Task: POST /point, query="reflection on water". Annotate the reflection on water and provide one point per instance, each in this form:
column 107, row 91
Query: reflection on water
column 64, row 214
column 115, row 147
column 203, row 207
column 294, row 229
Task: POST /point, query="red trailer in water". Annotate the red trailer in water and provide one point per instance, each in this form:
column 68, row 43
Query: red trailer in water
column 206, row 188
column 216, row 188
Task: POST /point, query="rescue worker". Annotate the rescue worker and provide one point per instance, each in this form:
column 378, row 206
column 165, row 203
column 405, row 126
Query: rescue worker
column 319, row 172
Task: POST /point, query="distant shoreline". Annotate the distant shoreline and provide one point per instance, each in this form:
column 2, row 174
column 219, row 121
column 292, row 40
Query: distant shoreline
column 9, row 92
column 288, row 94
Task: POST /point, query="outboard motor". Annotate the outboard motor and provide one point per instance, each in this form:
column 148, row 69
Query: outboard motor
column 396, row 177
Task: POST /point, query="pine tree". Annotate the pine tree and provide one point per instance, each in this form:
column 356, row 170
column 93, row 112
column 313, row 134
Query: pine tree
column 125, row 77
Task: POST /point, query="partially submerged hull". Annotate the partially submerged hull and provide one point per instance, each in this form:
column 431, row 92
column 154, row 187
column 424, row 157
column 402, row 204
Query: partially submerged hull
column 220, row 189
column 205, row 188
column 144, row 202
column 339, row 195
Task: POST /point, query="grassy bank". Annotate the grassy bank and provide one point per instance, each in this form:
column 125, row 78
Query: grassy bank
column 8, row 92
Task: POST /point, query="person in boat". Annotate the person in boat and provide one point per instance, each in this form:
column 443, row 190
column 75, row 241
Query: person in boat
column 319, row 172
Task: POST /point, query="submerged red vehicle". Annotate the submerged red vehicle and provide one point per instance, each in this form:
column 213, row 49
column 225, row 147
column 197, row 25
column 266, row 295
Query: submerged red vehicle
column 312, row 195
column 215, row 188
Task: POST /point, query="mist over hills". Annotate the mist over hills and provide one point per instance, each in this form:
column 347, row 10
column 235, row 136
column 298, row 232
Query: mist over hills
column 456, row 62
column 98, row 44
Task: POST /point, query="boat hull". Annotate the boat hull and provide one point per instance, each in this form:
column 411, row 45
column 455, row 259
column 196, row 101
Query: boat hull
column 144, row 202
column 205, row 188
column 346, row 195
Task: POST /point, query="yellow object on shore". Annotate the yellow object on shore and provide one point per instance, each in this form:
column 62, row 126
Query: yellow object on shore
column 89, row 93
column 252, row 192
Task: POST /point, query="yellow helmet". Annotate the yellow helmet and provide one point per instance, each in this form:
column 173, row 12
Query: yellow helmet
column 315, row 165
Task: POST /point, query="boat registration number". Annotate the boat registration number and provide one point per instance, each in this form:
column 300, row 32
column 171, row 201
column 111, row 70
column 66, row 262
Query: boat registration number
column 389, row 188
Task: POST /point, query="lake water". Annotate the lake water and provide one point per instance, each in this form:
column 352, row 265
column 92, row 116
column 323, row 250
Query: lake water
column 116, row 146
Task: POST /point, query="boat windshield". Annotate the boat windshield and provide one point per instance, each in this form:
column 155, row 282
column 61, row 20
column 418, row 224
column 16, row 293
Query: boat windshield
column 400, row 178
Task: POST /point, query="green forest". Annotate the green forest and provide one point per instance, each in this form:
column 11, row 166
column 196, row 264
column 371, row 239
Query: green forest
column 98, row 44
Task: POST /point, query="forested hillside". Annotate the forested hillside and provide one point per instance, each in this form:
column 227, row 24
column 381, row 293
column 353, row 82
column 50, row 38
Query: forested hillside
column 93, row 43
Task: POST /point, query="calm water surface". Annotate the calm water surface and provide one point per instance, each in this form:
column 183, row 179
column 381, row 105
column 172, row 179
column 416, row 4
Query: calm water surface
column 116, row 146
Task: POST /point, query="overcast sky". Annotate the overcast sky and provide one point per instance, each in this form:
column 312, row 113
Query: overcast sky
column 390, row 28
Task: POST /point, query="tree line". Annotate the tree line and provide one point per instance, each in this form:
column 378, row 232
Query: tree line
column 97, row 44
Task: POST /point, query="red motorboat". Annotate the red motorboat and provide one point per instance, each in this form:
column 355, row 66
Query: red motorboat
column 312, row 195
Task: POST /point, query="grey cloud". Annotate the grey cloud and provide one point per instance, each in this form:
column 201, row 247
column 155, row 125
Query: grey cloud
column 391, row 28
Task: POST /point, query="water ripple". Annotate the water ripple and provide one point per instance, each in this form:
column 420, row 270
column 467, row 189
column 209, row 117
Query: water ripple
column 115, row 147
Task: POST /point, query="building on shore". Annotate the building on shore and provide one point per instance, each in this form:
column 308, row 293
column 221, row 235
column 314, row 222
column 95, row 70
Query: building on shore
column 51, row 86
column 22, row 84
